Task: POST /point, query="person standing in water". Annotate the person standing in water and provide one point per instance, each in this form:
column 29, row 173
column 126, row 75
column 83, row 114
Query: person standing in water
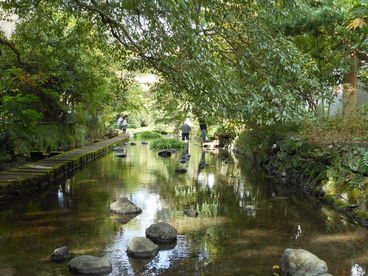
column 203, row 127
column 185, row 130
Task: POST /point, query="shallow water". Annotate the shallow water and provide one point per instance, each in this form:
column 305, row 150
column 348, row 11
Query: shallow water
column 227, row 238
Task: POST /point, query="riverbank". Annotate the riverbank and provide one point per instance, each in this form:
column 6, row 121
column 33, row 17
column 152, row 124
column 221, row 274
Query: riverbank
column 34, row 176
column 335, row 173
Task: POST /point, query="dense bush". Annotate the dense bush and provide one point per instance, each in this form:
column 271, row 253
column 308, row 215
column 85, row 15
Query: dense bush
column 147, row 135
column 261, row 139
column 166, row 143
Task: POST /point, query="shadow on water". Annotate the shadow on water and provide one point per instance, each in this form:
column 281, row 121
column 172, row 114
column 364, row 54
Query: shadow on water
column 245, row 219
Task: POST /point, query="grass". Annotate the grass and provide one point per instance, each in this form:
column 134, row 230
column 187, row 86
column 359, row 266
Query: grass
column 350, row 127
column 167, row 143
column 147, row 135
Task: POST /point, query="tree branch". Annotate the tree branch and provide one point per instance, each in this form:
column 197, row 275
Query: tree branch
column 14, row 50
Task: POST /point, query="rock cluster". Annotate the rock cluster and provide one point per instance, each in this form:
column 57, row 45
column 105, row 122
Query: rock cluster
column 160, row 233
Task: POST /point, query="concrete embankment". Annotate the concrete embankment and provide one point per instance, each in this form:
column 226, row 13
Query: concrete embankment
column 34, row 176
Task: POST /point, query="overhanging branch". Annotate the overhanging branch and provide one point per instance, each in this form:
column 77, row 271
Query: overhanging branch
column 13, row 49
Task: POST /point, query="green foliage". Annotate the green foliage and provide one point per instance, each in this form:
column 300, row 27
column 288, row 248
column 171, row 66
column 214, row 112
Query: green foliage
column 132, row 126
column 147, row 135
column 167, row 143
column 226, row 59
column 262, row 139
column 77, row 88
column 365, row 159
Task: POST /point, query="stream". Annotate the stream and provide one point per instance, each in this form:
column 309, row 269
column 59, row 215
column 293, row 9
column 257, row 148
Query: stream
column 245, row 221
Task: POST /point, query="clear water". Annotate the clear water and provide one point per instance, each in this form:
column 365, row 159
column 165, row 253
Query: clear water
column 227, row 238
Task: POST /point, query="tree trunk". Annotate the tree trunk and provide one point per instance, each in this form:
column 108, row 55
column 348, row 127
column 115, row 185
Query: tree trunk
column 351, row 85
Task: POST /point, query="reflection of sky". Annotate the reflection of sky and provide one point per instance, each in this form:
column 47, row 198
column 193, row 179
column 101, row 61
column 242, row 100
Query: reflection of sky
column 357, row 270
column 206, row 179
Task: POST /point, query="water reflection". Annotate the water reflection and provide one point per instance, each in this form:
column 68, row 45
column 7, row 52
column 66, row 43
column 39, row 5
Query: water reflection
column 245, row 220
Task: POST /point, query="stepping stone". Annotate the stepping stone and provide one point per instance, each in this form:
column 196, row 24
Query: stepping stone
column 161, row 232
column 172, row 150
column 125, row 207
column 191, row 213
column 121, row 155
column 142, row 248
column 144, row 143
column 90, row 265
column 181, row 170
column 202, row 165
column 164, row 153
column 132, row 144
column 60, row 255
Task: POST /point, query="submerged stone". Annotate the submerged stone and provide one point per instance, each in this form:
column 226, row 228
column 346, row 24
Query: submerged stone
column 144, row 143
column 60, row 255
column 298, row 262
column 90, row 265
column 121, row 155
column 191, row 213
column 142, row 248
column 161, row 232
column 125, row 207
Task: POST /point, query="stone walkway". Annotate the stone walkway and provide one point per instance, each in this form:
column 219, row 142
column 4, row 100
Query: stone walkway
column 34, row 176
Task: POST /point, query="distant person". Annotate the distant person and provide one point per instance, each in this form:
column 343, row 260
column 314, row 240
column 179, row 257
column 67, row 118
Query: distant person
column 185, row 130
column 119, row 121
column 203, row 127
column 124, row 124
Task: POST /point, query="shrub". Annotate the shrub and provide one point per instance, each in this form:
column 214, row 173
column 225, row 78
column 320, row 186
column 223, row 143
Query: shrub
column 166, row 143
column 131, row 126
column 163, row 132
column 147, row 135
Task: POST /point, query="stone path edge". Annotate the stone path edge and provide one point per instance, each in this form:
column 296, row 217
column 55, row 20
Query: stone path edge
column 36, row 175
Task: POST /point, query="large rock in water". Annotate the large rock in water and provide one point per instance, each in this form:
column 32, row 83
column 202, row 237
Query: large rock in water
column 60, row 255
column 90, row 265
column 161, row 232
column 125, row 207
column 142, row 248
column 300, row 262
